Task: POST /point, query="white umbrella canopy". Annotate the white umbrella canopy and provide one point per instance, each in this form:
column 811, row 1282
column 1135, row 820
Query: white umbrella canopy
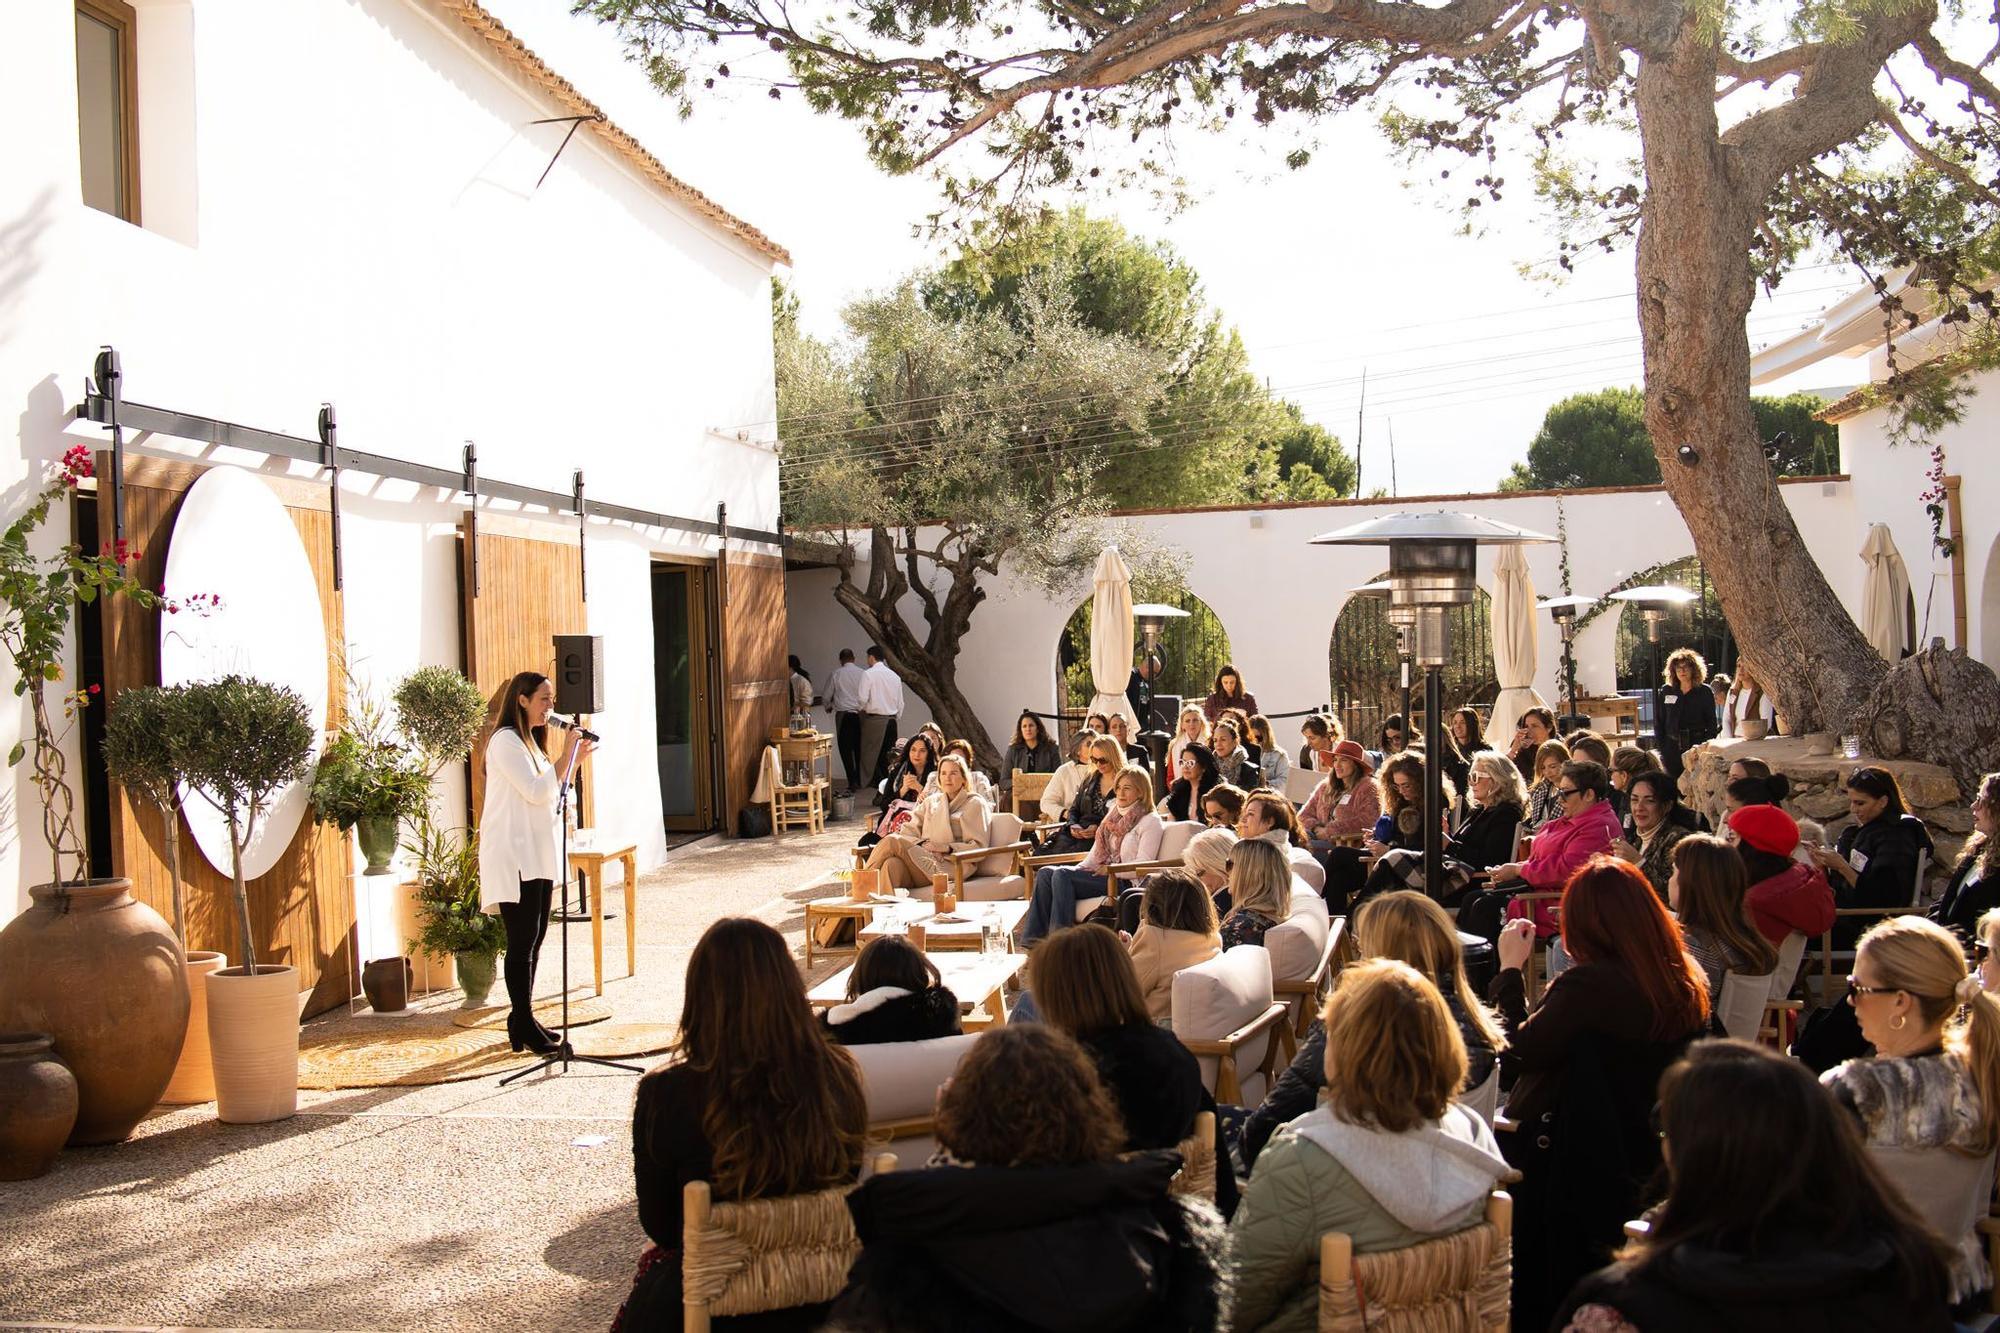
column 1111, row 636
column 1884, row 591
column 1516, row 651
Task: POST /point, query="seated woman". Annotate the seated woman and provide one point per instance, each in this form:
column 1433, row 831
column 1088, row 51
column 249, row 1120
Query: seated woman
column 1748, row 766
column 1222, row 806
column 1771, row 789
column 1192, row 780
column 1974, row 889
column 1271, row 760
column 1409, row 928
column 1468, row 732
column 1706, row 885
column 1097, row 722
column 752, row 1098
column 1346, row 803
column 1389, row 1159
column 1584, row 1067
column 1177, row 929
column 1536, row 728
column 1589, row 745
column 1078, row 830
column 951, row 819
column 1772, row 1220
column 894, row 993
column 1032, row 750
column 1129, row 831
column 1587, row 829
column 1400, row 826
column 1068, row 1234
column 1193, row 731
column 1543, row 804
column 1228, row 693
column 908, row 778
column 1236, row 761
column 1874, row 864
column 1069, row 777
column 1652, row 802
column 1482, row 840
column 1934, row 1082
column 1393, row 737
column 1747, row 702
column 1260, row 892
column 1121, row 732
column 1785, row 895
column 982, row 785
column 1269, row 816
column 1320, row 732
column 1628, row 762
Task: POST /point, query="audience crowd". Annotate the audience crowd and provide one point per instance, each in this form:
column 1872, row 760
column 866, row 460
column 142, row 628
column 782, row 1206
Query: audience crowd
column 1557, row 1023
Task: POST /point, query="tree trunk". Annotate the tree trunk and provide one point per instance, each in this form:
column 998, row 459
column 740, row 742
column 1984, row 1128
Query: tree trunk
column 928, row 666
column 1695, row 290
column 1938, row 702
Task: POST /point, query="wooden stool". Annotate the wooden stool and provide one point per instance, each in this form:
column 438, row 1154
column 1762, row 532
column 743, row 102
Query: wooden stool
column 588, row 861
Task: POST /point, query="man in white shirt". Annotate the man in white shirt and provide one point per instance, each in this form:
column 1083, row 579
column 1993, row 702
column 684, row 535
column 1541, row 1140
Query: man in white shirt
column 843, row 700
column 881, row 702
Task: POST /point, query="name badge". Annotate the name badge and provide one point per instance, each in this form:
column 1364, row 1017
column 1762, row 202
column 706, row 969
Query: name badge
column 1859, row 860
column 1670, row 698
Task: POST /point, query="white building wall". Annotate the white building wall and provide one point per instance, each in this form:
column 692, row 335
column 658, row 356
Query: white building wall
column 1278, row 596
column 362, row 227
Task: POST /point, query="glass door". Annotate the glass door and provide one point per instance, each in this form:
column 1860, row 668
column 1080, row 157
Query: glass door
column 685, row 698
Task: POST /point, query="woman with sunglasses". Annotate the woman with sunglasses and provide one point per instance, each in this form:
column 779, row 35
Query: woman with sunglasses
column 1078, row 830
column 1930, row 1097
column 1587, row 827
column 1127, row 832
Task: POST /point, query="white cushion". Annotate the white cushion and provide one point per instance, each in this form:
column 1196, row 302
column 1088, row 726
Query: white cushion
column 1213, row 999
column 1300, row 783
column 1001, row 830
column 1306, row 866
column 995, row 888
column 1306, row 899
column 901, row 1078
column 1295, row 945
column 1175, row 836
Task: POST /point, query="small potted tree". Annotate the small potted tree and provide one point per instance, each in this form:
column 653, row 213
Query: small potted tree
column 368, row 783
column 440, row 713
column 243, row 741
column 141, row 731
column 453, row 922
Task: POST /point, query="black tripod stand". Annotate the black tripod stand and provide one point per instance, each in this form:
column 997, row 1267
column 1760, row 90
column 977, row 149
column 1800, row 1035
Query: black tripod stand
column 564, row 1054
column 581, row 912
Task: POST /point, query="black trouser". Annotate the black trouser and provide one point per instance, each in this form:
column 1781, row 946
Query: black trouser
column 847, row 737
column 877, row 740
column 527, row 925
column 1346, row 872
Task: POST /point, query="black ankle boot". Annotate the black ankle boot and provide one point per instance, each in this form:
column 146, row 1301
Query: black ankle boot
column 530, row 1034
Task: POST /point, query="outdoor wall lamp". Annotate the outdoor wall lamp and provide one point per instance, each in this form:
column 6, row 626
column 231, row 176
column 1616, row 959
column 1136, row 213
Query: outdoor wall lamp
column 1688, row 454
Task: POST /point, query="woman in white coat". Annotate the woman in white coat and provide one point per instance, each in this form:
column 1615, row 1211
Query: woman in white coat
column 520, row 840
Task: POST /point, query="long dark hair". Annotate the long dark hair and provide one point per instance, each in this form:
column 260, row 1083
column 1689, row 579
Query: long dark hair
column 1041, row 732
column 1610, row 914
column 891, row 960
column 1878, row 783
column 1208, row 776
column 514, row 718
column 1712, row 882
column 1229, row 669
column 1748, row 1184
column 784, row 1109
column 1770, row 790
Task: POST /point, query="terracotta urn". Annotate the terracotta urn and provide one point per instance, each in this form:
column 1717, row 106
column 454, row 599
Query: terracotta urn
column 102, row 974
column 37, row 1104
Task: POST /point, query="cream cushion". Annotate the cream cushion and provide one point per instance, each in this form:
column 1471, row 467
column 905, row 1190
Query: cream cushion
column 1297, row 943
column 900, row 1080
column 1213, row 999
column 1306, row 866
column 994, row 879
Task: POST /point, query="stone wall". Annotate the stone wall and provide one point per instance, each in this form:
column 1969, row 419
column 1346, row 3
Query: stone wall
column 1817, row 771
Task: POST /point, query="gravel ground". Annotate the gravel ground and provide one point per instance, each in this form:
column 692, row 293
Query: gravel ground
column 460, row 1206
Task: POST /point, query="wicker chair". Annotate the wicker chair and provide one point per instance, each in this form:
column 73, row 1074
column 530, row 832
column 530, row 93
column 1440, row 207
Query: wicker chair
column 1197, row 1150
column 754, row 1255
column 1449, row 1284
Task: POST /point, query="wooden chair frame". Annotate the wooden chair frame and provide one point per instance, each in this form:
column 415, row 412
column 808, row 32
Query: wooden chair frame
column 1026, row 790
column 1827, row 954
column 1228, row 1084
column 1531, row 975
column 1338, row 1262
column 960, row 861
column 1308, row 991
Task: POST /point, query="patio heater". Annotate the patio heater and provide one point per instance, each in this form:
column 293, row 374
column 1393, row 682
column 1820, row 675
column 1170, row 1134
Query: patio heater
column 1151, row 619
column 1654, row 601
column 1433, row 563
column 1404, row 618
column 1565, row 610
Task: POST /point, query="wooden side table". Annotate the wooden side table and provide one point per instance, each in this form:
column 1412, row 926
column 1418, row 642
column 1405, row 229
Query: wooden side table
column 586, row 861
column 828, row 914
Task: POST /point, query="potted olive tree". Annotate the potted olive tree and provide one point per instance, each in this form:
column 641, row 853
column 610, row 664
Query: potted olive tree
column 242, row 741
column 140, row 733
column 368, row 783
column 441, row 713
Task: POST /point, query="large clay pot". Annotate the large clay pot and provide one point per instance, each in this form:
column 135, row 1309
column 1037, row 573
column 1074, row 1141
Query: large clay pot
column 386, row 982
column 194, row 1074
column 37, row 1104
column 253, row 1026
column 102, row 974
column 378, row 842
column 475, row 977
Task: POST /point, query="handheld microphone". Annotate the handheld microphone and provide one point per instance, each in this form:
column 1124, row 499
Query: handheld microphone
column 569, row 724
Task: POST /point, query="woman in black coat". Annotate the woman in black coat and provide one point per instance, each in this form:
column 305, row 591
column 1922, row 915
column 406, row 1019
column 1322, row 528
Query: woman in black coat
column 894, row 993
column 1684, row 712
column 1874, row 863
column 1197, row 774
column 1041, row 1225
column 1032, row 750
column 1975, row 883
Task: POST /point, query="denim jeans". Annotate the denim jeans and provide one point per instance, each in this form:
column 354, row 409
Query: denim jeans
column 1053, row 902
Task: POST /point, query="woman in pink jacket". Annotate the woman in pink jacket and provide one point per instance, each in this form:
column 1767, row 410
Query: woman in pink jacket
column 1587, row 827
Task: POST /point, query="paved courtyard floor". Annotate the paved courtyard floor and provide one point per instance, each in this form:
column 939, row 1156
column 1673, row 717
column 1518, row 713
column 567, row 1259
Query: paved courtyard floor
column 459, row 1206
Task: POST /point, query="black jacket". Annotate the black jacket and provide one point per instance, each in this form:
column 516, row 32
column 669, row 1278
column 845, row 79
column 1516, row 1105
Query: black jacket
column 1682, row 721
column 1807, row 1285
column 1185, row 804
column 1096, row 1248
column 1891, row 845
column 1969, row 896
column 1250, row 776
column 1044, row 758
column 1486, row 838
column 1154, row 1080
column 880, row 1017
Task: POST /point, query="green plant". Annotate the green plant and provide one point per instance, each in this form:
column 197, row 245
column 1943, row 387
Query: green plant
column 447, row 865
column 359, row 777
column 243, row 740
column 141, row 733
column 441, row 713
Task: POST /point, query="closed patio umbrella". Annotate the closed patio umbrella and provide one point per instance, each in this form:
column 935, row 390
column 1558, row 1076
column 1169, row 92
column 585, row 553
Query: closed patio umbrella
column 1884, row 592
column 1515, row 649
column 1111, row 636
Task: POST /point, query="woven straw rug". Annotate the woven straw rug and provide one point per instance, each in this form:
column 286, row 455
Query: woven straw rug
column 450, row 1046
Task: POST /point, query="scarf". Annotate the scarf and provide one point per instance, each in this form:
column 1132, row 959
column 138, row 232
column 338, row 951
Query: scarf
column 1111, row 831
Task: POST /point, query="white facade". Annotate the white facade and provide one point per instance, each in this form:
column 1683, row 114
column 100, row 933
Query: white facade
column 1278, row 596
column 339, row 203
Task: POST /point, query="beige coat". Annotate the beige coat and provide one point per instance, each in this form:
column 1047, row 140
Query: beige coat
column 962, row 824
column 1157, row 954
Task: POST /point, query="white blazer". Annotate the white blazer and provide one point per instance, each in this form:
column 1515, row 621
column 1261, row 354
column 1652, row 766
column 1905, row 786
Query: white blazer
column 520, row 833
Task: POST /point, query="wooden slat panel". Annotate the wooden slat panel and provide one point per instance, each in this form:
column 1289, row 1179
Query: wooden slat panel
column 756, row 683
column 302, row 910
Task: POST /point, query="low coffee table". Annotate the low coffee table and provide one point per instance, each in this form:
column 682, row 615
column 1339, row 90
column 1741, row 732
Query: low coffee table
column 979, row 982
column 958, row 936
column 825, row 918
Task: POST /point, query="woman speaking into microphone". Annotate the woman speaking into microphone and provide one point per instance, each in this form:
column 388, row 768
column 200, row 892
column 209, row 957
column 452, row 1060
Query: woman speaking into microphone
column 520, row 832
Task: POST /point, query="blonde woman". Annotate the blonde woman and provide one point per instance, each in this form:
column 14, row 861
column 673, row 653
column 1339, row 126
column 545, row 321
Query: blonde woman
column 1193, row 731
column 1177, row 929
column 1127, row 832
column 1747, row 702
column 952, row 818
column 1933, row 1084
column 1543, row 804
column 1260, row 892
column 1271, row 760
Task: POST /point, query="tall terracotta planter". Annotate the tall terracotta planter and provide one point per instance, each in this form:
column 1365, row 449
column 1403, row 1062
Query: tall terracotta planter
column 253, row 1033
column 102, row 974
column 194, row 1074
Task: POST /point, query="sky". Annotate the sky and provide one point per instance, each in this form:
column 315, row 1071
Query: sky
column 1344, row 268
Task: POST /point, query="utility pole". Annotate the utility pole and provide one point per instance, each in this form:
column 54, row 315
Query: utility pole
column 1360, row 422
column 1392, row 456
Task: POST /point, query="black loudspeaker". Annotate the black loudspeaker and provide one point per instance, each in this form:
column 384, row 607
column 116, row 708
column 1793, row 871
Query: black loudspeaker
column 579, row 673
column 1166, row 714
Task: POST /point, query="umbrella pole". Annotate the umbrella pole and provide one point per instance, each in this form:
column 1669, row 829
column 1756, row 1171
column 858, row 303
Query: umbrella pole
column 1433, row 782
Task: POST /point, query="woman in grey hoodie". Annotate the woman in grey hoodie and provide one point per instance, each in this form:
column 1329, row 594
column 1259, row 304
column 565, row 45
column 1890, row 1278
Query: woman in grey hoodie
column 1387, row 1158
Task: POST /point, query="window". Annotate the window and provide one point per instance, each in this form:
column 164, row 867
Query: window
column 107, row 106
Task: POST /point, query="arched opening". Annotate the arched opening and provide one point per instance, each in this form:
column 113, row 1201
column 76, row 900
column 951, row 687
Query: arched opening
column 1698, row 624
column 1195, row 648
column 1365, row 677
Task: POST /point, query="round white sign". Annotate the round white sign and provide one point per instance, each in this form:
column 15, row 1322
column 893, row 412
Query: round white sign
column 233, row 538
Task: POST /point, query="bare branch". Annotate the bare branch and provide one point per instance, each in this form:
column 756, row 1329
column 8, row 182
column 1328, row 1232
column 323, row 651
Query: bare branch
column 1895, row 126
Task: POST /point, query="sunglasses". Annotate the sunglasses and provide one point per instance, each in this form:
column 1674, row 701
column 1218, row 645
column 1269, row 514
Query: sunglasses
column 1104, row 763
column 1856, row 988
column 1564, row 793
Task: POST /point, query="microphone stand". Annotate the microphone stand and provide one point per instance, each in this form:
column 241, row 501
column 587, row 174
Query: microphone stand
column 564, row 1054
column 581, row 912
